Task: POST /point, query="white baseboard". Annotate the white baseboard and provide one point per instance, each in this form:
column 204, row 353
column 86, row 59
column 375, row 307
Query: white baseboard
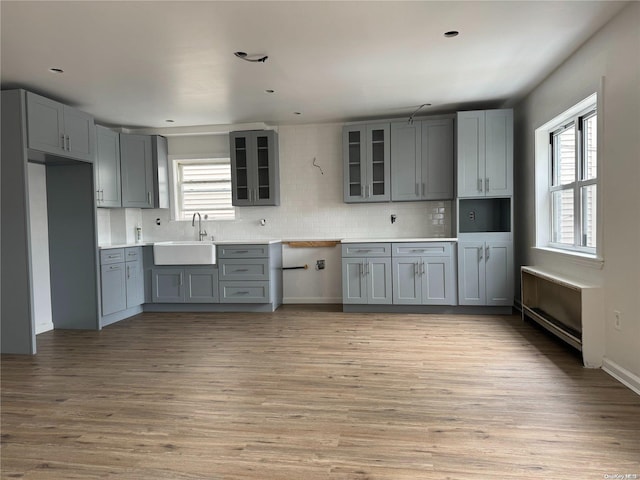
column 307, row 300
column 44, row 327
column 622, row 375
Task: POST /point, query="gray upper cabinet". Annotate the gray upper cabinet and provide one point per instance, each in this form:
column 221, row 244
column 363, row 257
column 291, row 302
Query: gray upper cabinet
column 144, row 171
column 422, row 160
column 136, row 162
column 485, row 153
column 58, row 129
column 107, row 169
column 255, row 176
column 366, row 160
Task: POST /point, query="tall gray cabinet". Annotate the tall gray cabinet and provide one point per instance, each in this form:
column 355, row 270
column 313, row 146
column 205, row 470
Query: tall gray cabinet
column 37, row 130
column 485, row 208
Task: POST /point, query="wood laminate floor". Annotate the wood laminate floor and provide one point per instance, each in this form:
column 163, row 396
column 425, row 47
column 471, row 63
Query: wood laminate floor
column 311, row 394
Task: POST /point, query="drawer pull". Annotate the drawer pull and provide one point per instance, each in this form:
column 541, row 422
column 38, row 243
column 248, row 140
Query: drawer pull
column 242, row 251
column 114, row 267
column 363, row 250
column 242, row 270
column 113, row 256
column 242, row 293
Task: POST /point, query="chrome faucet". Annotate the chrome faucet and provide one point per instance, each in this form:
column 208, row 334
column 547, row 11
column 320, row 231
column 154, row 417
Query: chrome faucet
column 201, row 233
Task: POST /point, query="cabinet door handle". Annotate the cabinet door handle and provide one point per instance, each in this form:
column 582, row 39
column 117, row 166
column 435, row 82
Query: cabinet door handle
column 416, row 269
column 102, row 195
column 480, row 185
column 149, row 199
column 423, row 269
column 479, row 253
column 417, row 191
column 62, row 140
column 181, row 279
column 486, row 184
column 486, row 252
column 68, row 144
column 128, row 271
column 422, row 189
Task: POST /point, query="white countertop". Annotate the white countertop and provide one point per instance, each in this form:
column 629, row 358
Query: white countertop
column 217, row 242
column 398, row 240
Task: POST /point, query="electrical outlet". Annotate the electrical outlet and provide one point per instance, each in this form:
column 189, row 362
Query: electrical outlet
column 617, row 320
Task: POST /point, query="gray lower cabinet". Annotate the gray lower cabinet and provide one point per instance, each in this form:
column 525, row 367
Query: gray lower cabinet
column 485, row 273
column 184, row 285
column 423, row 274
column 366, row 273
column 59, row 129
column 122, row 280
column 250, row 273
column 113, row 286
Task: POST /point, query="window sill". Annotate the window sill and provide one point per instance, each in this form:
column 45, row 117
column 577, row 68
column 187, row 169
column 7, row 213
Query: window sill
column 578, row 258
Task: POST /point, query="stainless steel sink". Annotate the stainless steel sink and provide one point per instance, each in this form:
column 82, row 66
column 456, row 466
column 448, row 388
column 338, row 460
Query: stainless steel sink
column 184, row 253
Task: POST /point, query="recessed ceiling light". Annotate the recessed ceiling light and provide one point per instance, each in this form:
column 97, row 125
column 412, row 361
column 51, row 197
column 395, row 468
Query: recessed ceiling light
column 451, row 33
column 297, row 113
column 169, row 121
column 56, row 70
column 270, row 91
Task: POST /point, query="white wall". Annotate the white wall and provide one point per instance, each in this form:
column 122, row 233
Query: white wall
column 39, row 231
column 612, row 53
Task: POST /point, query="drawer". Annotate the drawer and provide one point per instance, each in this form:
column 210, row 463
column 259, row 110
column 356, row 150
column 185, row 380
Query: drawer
column 244, row 292
column 244, row 269
column 132, row 253
column 111, row 255
column 366, row 249
column 431, row 249
column 242, row 251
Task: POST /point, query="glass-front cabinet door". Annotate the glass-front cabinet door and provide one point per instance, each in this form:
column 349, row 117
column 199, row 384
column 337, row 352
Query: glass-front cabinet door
column 354, row 152
column 366, row 163
column 254, row 168
column 378, row 148
column 241, row 170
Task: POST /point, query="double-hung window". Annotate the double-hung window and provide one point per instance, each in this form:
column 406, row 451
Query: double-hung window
column 204, row 186
column 574, row 182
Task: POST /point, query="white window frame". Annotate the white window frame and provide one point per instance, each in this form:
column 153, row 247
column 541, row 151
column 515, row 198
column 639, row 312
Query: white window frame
column 175, row 161
column 544, row 181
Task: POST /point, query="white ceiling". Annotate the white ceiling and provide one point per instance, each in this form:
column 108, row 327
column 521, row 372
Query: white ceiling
column 137, row 64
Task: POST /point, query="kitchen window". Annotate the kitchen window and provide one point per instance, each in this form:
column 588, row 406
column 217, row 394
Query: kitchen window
column 567, row 207
column 202, row 185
